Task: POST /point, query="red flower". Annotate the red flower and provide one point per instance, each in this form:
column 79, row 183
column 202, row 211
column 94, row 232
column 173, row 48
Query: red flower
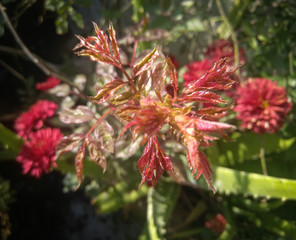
column 48, row 84
column 196, row 70
column 33, row 118
column 153, row 163
column 262, row 105
column 38, row 153
column 217, row 224
column 222, row 48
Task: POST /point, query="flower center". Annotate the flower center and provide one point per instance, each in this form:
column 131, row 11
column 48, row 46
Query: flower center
column 264, row 103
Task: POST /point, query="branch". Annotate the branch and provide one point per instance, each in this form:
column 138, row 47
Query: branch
column 36, row 60
column 13, row 72
column 233, row 35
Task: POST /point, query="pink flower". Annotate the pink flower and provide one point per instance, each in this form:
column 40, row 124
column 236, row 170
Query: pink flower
column 33, row 118
column 48, row 84
column 217, row 224
column 262, row 105
column 38, row 153
column 222, row 48
column 196, row 70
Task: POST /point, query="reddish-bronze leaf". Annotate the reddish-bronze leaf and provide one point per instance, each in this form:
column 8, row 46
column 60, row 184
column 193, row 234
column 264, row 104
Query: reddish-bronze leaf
column 173, row 75
column 146, row 62
column 100, row 57
column 201, row 96
column 96, row 153
column 114, row 45
column 68, row 143
column 108, row 90
column 159, row 74
column 153, row 162
column 103, row 39
column 213, row 112
column 211, row 126
column 79, row 164
column 197, row 161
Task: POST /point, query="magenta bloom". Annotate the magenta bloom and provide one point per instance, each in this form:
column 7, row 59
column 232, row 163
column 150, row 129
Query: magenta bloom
column 262, row 105
column 48, row 84
column 38, row 153
column 222, row 48
column 196, row 70
column 33, row 118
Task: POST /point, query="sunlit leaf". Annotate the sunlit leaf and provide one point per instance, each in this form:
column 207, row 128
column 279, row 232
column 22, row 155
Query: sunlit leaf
column 108, row 90
column 173, row 75
column 159, row 74
column 96, row 153
column 69, row 143
column 114, row 45
column 103, row 134
column 76, row 116
column 79, row 164
column 146, row 62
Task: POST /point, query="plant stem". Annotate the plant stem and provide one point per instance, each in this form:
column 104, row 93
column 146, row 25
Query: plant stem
column 262, row 161
column 98, row 121
column 36, row 60
column 233, row 35
column 291, row 63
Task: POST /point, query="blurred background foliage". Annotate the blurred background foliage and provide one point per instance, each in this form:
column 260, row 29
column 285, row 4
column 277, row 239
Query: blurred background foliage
column 254, row 206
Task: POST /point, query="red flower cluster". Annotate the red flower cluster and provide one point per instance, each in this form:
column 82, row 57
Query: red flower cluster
column 196, row 70
column 262, row 105
column 216, row 224
column 38, row 153
column 222, row 48
column 50, row 82
column 33, row 119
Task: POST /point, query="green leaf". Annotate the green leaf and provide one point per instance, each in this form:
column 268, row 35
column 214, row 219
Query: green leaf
column 118, row 196
column 77, row 18
column 246, row 146
column 161, row 201
column 61, row 25
column 226, row 180
column 12, row 142
column 194, row 25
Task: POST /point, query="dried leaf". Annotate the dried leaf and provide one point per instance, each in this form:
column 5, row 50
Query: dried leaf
column 114, row 45
column 68, row 143
column 76, row 116
column 146, row 62
column 79, row 164
column 96, row 153
column 108, row 90
column 173, row 75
